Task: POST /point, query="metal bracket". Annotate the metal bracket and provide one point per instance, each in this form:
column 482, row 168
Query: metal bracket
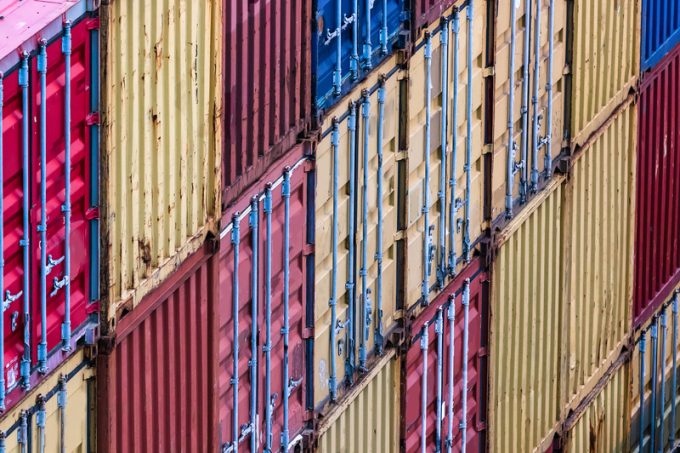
column 51, row 263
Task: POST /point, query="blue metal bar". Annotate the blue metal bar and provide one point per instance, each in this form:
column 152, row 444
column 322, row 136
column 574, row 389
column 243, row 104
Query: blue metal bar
column 512, row 146
column 42, row 228
column 454, row 203
column 365, row 291
column 383, row 30
column 254, row 214
column 354, row 59
column 350, row 285
column 335, row 141
column 663, row 378
column 441, row 262
column 674, row 389
column 466, row 328
column 534, row 99
column 451, row 316
column 236, row 241
column 641, row 411
column 547, row 141
column 40, row 417
column 654, row 335
column 378, row 334
column 61, row 405
column 439, row 330
column 368, row 47
column 425, row 285
column 269, row 401
column 285, row 191
column 26, row 241
column 468, row 138
column 337, row 74
column 22, row 432
column 2, row 259
column 424, row 343
column 523, row 185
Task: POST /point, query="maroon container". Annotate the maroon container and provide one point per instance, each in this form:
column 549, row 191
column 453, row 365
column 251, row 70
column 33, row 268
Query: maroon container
column 657, row 251
column 299, row 298
column 412, row 379
column 426, row 12
column 156, row 382
column 267, row 85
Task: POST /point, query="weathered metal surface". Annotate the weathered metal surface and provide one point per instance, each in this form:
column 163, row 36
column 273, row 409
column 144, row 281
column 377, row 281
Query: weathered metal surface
column 427, row 12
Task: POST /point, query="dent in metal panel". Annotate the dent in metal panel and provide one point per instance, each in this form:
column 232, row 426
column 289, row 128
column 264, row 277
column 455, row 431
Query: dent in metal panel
column 605, row 61
column 161, row 139
column 527, row 331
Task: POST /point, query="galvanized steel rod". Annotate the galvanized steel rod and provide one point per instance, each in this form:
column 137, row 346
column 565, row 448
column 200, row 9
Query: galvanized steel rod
column 641, row 411
column 40, row 417
column 368, row 46
column 424, row 287
column 548, row 89
column 335, row 142
column 424, row 343
column 365, row 291
column 66, row 207
column 674, row 388
column 468, row 138
column 25, row 241
column 383, row 30
column 5, row 304
column 3, row 445
column 254, row 218
column 378, row 334
column 350, row 285
column 654, row 335
column 451, row 316
column 22, row 432
column 61, row 404
column 439, row 330
column 523, row 186
column 354, row 59
column 441, row 262
column 235, row 240
column 454, row 202
column 42, row 228
column 663, row 378
column 509, row 170
column 337, row 73
column 466, row 328
column 268, row 400
column 534, row 99
column 285, row 330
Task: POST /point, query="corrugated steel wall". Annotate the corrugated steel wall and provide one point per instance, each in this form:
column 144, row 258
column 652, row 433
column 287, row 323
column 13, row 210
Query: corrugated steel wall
column 268, row 76
column 657, row 257
column 605, row 61
column 75, row 376
column 527, row 331
column 369, row 419
column 660, row 30
column 441, row 116
column 599, row 230
column 426, row 12
column 347, row 235
column 157, row 385
column 161, row 140
column 605, row 423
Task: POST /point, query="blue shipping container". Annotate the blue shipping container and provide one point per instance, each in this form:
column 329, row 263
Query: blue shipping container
column 353, row 37
column 660, row 30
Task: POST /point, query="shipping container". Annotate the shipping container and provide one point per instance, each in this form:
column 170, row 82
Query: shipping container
column 359, row 205
column 444, row 381
column 161, row 141
column 268, row 77
column 50, row 294
column 367, row 418
column 604, row 62
column 660, row 30
column 352, row 39
column 266, row 269
column 157, row 376
column 528, row 100
column 58, row 415
column 445, row 186
column 427, row 12
column 604, row 424
column 657, row 251
column 527, row 325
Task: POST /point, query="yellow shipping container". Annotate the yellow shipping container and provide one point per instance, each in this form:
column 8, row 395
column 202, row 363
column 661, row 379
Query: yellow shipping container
column 368, row 421
column 604, row 425
column 367, row 111
column 161, row 88
column 67, row 429
column 605, row 61
column 509, row 81
column 452, row 43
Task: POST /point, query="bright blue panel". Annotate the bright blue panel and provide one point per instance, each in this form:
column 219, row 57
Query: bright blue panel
column 660, row 30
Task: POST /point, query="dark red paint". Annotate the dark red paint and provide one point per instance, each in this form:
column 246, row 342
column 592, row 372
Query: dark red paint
column 426, row 12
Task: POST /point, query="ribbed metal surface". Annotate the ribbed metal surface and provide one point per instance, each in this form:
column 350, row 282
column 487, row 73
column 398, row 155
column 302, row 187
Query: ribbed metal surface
column 599, row 230
column 527, row 331
column 660, row 30
column 426, row 12
column 604, row 425
column 156, row 387
column 605, row 61
column 161, row 86
column 369, row 421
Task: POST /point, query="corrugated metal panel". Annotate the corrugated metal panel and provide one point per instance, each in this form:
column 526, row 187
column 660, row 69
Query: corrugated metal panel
column 349, row 269
column 426, row 12
column 605, row 61
column 660, row 30
column 599, row 230
column 450, row 242
column 604, row 426
column 369, row 418
column 21, row 428
column 162, row 82
column 525, row 141
column 268, row 79
column 157, row 383
column 657, row 251
column 527, row 331
column 254, row 370
column 468, row 336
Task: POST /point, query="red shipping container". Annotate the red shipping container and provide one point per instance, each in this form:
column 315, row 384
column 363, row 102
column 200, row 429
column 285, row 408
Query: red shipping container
column 268, row 86
column 426, row 12
column 156, row 378
column 253, row 374
column 657, row 247
column 414, row 369
column 25, row 27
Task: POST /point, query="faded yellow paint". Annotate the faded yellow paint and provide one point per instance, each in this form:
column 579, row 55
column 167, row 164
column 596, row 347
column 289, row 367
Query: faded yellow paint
column 606, row 61
column 502, row 90
column 78, row 415
column 369, row 420
column 323, row 259
column 456, row 136
column 604, row 426
column 161, row 145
